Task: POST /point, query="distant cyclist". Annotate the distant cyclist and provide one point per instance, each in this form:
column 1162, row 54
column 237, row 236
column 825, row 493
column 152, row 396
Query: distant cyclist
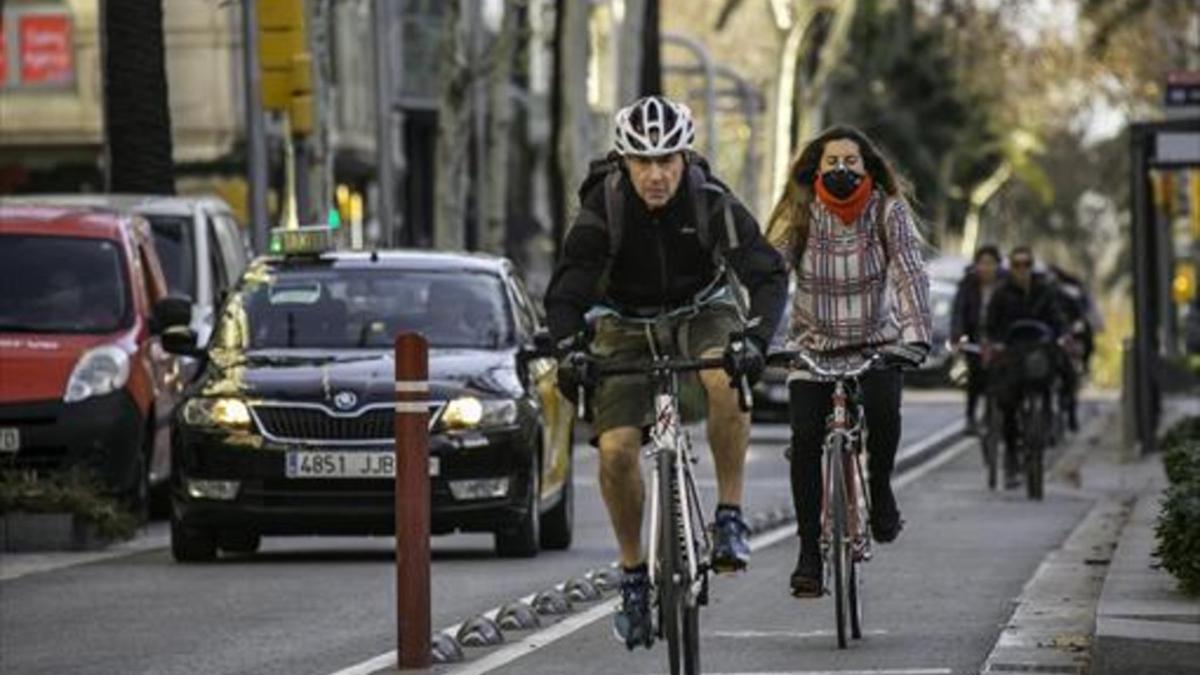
column 847, row 231
column 971, row 302
column 647, row 267
column 1022, row 304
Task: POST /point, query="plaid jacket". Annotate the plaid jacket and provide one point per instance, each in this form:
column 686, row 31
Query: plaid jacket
column 850, row 293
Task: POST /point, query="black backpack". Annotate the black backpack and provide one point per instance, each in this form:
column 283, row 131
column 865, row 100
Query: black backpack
column 699, row 179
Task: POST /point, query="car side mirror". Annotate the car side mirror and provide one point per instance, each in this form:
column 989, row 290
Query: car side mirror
column 171, row 311
column 181, row 341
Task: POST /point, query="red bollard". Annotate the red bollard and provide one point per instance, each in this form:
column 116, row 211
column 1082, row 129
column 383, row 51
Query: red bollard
column 412, row 502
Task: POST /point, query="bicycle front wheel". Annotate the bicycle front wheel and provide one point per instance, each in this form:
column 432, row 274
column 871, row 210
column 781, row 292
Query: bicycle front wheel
column 1035, row 444
column 991, row 442
column 679, row 615
column 839, row 549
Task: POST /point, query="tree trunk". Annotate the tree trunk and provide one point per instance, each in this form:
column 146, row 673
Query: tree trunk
column 574, row 116
column 452, row 170
column 137, row 116
column 799, row 109
column 630, row 42
column 499, row 136
column 652, row 81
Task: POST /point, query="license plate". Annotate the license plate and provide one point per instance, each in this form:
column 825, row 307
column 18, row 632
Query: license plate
column 10, row 439
column 335, row 464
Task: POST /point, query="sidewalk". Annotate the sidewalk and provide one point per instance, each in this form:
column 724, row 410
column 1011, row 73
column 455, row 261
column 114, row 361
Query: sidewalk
column 1144, row 624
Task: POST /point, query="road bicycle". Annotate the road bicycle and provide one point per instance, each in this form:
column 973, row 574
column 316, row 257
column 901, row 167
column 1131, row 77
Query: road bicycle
column 681, row 545
column 991, row 432
column 845, row 505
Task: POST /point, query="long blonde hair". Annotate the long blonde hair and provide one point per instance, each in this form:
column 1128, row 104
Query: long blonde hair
column 787, row 228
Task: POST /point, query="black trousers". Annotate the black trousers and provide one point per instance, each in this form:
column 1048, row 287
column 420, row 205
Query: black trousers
column 977, row 383
column 810, row 406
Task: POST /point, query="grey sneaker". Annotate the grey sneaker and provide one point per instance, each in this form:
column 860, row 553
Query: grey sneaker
column 632, row 623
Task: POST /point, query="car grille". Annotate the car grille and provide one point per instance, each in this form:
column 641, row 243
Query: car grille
column 317, row 425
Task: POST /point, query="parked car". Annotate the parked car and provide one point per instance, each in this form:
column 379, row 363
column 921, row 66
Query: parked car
column 84, row 378
column 202, row 250
column 289, row 429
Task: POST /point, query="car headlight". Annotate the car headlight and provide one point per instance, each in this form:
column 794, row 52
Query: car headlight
column 99, row 371
column 469, row 412
column 230, row 413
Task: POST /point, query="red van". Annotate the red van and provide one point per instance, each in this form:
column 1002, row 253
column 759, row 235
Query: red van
column 83, row 379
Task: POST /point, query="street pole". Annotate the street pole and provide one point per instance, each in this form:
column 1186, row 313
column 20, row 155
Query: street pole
column 383, row 122
column 256, row 133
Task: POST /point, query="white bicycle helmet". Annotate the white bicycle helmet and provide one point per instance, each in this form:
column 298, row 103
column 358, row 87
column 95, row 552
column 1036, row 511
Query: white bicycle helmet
column 654, row 126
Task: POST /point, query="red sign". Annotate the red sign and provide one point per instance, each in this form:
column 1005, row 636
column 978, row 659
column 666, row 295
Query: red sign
column 46, row 49
column 3, row 55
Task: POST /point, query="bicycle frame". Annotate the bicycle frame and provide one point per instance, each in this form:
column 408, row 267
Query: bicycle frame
column 853, row 434
column 668, row 436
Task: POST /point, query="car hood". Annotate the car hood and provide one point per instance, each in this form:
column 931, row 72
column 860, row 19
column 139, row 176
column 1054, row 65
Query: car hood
column 297, row 375
column 36, row 367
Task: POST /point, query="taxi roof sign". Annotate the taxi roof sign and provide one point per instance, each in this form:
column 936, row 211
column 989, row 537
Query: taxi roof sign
column 311, row 240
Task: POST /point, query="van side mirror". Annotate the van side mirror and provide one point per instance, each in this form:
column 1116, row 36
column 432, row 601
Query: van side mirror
column 173, row 310
column 181, row 341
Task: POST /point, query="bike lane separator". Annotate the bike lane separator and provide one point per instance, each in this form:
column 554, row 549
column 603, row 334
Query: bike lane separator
column 571, row 624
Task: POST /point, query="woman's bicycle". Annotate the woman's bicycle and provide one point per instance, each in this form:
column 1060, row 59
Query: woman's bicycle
column 845, row 506
column 681, row 546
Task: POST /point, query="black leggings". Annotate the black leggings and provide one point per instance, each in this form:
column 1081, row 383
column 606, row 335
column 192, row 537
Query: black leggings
column 810, row 405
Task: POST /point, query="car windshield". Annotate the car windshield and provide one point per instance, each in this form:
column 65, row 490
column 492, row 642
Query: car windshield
column 173, row 242
column 364, row 309
column 61, row 285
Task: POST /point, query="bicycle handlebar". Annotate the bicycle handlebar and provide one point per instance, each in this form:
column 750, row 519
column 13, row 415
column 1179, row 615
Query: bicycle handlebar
column 802, row 360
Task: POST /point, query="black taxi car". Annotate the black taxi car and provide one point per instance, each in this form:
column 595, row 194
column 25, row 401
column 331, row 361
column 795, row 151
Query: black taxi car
column 288, row 429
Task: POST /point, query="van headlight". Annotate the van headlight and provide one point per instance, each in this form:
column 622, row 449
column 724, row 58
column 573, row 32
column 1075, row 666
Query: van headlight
column 228, row 413
column 99, row 371
column 469, row 412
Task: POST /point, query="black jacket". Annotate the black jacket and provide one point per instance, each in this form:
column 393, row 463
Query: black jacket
column 967, row 317
column 1011, row 303
column 661, row 263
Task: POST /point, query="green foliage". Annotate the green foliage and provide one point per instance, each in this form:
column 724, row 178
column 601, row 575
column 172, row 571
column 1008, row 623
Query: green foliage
column 1178, row 533
column 1178, row 528
column 75, row 492
column 1185, row 430
column 901, row 84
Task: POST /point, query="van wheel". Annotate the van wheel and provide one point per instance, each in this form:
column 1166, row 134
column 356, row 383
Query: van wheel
column 192, row 544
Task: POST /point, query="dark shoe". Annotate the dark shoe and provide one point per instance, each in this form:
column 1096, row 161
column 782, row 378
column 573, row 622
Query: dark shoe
column 632, row 623
column 1012, row 481
column 885, row 517
column 807, row 579
column 731, row 550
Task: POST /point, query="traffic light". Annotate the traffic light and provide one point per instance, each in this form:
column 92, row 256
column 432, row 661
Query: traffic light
column 286, row 61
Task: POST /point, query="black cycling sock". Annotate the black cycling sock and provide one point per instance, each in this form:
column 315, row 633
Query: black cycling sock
column 731, row 509
column 637, row 570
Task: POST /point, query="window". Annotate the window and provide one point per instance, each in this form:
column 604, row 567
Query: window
column 230, row 240
column 216, row 261
column 62, row 285
column 174, row 242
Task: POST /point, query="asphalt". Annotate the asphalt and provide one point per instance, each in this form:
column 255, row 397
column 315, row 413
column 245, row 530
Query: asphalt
column 310, row 605
column 935, row 600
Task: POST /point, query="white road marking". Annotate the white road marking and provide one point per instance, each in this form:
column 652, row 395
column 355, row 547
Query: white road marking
column 790, row 634
column 883, row 671
column 545, row 637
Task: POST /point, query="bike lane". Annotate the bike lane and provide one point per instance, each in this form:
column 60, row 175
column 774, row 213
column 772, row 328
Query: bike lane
column 934, row 601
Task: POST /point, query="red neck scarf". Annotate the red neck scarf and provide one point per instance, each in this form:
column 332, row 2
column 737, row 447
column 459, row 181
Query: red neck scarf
column 849, row 209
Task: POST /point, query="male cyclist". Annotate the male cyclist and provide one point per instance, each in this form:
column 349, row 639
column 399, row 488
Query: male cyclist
column 1026, row 297
column 646, row 268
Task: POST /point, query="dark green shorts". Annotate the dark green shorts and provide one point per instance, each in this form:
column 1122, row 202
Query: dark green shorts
column 628, row 400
